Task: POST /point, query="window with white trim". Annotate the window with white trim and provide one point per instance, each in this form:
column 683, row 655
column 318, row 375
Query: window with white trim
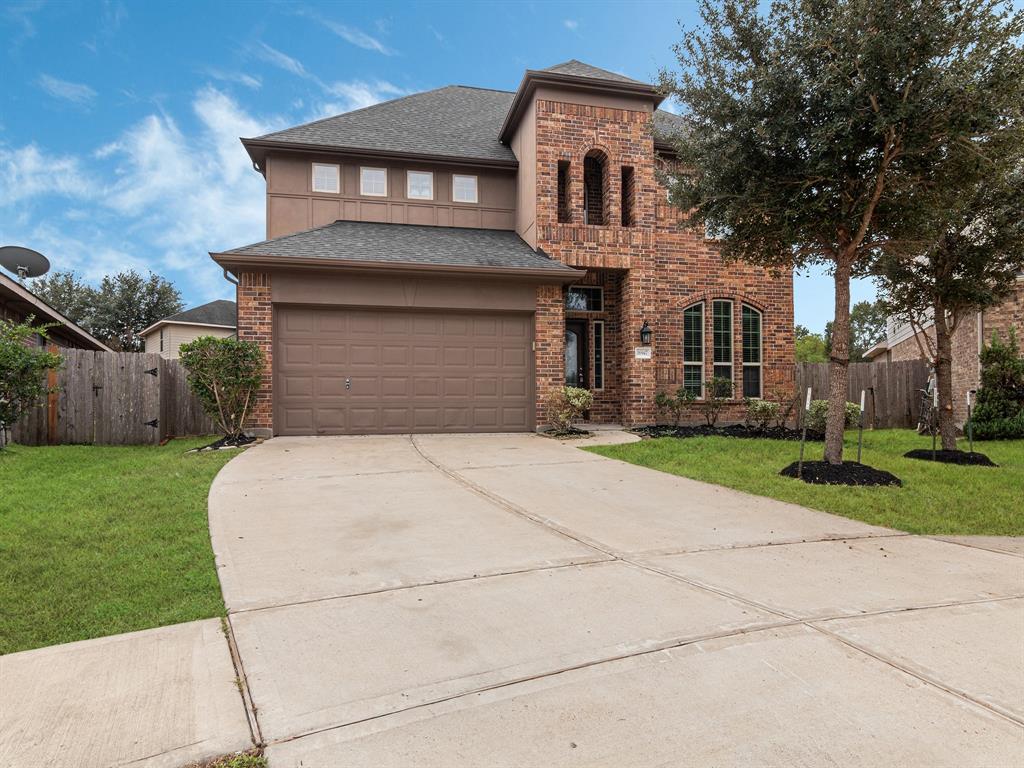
column 598, row 354
column 326, row 178
column 693, row 350
column 721, row 337
column 373, row 182
column 464, row 188
column 752, row 379
column 419, row 185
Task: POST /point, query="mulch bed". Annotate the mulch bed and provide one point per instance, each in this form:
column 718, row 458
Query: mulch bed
column 572, row 434
column 225, row 443
column 952, row 457
column 732, row 430
column 847, row 473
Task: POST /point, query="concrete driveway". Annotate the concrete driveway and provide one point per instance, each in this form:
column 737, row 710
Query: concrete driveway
column 510, row 600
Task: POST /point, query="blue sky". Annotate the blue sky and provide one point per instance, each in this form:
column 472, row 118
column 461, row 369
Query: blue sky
column 119, row 122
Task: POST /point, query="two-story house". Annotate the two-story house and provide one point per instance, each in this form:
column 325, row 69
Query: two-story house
column 441, row 262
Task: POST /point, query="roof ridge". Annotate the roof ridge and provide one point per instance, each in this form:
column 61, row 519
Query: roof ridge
column 474, row 88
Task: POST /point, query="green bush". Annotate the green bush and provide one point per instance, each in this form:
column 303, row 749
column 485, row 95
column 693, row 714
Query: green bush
column 225, row 375
column 999, row 412
column 761, row 413
column 673, row 405
column 818, row 413
column 23, row 368
column 717, row 391
column 565, row 405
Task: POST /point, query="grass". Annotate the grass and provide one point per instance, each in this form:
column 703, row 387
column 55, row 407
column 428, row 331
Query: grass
column 935, row 498
column 97, row 540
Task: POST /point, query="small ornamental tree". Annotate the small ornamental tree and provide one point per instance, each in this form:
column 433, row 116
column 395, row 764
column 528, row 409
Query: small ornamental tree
column 23, row 368
column 810, row 128
column 225, row 375
column 674, row 404
column 565, row 405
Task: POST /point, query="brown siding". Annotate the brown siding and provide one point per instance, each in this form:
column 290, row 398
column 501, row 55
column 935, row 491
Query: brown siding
column 292, row 206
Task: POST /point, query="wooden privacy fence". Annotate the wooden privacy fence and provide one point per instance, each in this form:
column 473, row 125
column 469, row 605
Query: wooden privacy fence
column 893, row 398
column 120, row 398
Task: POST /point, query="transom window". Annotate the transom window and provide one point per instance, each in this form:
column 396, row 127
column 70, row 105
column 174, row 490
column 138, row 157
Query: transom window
column 721, row 314
column 585, row 298
column 326, row 178
column 463, row 189
column 693, row 350
column 751, row 352
column 420, row 185
column 373, row 182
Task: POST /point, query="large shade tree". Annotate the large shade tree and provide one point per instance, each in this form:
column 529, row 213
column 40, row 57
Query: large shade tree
column 809, row 127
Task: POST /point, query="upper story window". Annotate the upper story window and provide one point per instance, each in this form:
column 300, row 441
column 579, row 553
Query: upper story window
column 420, row 185
column 373, row 182
column 564, row 199
column 595, row 183
column 326, row 178
column 585, row 298
column 628, row 195
column 464, row 189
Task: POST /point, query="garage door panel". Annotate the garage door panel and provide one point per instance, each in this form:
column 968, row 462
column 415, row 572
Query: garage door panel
column 406, row 371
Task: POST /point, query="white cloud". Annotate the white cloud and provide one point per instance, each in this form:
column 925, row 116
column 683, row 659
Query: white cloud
column 571, row 24
column 358, row 94
column 236, row 77
column 27, row 172
column 281, row 60
column 76, row 93
column 357, row 37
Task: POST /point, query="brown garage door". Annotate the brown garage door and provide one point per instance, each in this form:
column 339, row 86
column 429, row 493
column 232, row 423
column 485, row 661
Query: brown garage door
column 347, row 371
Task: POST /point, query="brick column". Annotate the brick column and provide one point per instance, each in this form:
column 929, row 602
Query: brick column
column 255, row 323
column 637, row 384
column 549, row 343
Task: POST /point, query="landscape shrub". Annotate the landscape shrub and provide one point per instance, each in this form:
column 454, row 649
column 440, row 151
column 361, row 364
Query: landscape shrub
column 673, row 404
column 999, row 412
column 761, row 413
column 23, row 368
column 717, row 391
column 818, row 413
column 565, row 405
column 225, row 375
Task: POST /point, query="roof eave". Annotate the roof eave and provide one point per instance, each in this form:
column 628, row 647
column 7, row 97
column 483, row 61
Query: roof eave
column 534, row 77
column 160, row 323
column 257, row 149
column 234, row 261
column 73, row 329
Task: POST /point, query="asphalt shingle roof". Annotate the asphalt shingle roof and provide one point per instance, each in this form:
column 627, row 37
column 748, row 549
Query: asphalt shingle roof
column 220, row 312
column 406, row 244
column 667, row 125
column 455, row 121
column 579, row 69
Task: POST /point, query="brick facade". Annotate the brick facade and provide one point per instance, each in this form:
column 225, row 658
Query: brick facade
column 651, row 270
column 256, row 323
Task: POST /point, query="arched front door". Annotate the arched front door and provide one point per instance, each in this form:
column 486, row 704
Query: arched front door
column 576, row 353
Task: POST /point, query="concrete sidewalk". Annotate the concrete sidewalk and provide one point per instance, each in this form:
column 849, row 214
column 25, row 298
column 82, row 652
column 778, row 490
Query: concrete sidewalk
column 160, row 697
column 511, row 600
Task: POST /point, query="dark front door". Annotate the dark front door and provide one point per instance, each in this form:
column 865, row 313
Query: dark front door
column 576, row 353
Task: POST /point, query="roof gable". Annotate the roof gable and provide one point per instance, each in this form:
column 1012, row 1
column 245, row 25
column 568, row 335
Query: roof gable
column 219, row 312
column 575, row 68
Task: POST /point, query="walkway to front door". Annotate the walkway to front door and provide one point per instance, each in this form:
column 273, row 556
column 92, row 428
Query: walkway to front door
column 466, row 600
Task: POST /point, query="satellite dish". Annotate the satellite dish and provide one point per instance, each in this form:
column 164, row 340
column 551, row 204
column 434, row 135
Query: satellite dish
column 24, row 262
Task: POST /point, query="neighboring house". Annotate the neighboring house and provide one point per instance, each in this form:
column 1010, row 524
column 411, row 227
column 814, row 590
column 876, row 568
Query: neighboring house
column 900, row 344
column 17, row 304
column 443, row 261
column 214, row 319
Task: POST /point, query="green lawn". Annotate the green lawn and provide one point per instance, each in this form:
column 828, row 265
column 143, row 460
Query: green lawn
column 935, row 498
column 96, row 540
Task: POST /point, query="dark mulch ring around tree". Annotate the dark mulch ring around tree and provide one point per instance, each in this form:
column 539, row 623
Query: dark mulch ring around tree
column 732, row 430
column 225, row 443
column 570, row 434
column 952, row 457
column 847, row 473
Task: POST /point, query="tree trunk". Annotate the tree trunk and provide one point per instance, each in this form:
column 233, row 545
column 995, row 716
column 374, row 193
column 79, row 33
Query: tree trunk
column 944, row 379
column 839, row 364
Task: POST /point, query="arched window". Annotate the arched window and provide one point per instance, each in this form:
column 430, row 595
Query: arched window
column 595, row 187
column 752, row 379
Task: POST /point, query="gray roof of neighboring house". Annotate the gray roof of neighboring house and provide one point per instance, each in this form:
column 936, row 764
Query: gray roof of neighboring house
column 667, row 125
column 455, row 121
column 219, row 312
column 576, row 68
column 360, row 241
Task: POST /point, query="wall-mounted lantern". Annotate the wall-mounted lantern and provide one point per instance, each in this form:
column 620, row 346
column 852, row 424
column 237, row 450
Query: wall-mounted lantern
column 645, row 334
